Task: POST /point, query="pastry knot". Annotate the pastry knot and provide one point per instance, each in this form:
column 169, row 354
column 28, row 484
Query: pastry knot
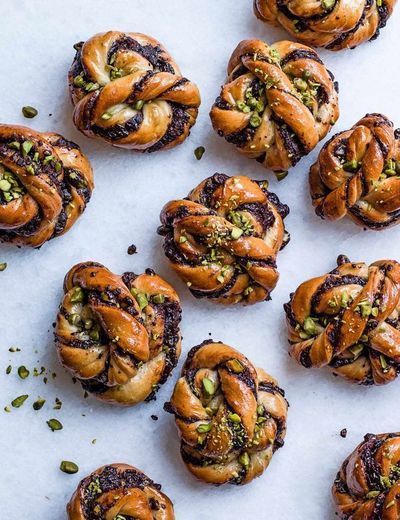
column 128, row 91
column 348, row 320
column 357, row 174
column 118, row 335
column 223, row 239
column 231, row 416
column 45, row 184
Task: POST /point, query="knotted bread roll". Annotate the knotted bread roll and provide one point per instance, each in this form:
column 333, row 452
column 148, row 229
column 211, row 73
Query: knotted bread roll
column 128, row 91
column 119, row 492
column 348, row 320
column 45, row 184
column 231, row 416
column 118, row 335
column 368, row 483
column 223, row 239
column 357, row 174
column 334, row 24
column 277, row 103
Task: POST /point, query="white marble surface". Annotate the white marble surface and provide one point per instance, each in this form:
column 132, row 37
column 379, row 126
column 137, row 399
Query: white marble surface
column 35, row 53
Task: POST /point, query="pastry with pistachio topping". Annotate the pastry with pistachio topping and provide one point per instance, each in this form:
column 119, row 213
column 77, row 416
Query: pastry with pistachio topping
column 231, row 416
column 128, row 91
column 368, row 483
column 349, row 320
column 333, row 24
column 223, row 239
column 357, row 174
column 45, row 184
column 119, row 492
column 118, row 335
column 277, row 103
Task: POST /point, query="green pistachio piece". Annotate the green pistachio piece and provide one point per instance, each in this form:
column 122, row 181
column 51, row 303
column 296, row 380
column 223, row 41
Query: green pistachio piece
column 199, row 152
column 69, row 467
column 19, row 401
column 208, row 386
column 204, row 428
column 54, row 425
column 234, row 417
column 244, row 459
column 29, row 112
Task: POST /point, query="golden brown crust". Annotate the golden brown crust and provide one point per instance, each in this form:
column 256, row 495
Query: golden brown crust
column 128, row 91
column 348, row 320
column 368, row 483
column 223, row 239
column 231, row 416
column 357, row 174
column 119, row 335
column 119, row 491
column 45, row 184
column 277, row 103
column 334, row 24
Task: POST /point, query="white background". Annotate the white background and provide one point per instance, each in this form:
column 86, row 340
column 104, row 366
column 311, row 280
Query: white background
column 35, row 54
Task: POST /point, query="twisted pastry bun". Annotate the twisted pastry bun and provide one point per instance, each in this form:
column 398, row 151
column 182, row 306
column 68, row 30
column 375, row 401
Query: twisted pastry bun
column 231, row 416
column 118, row 335
column 45, row 184
column 368, row 483
column 358, row 174
column 119, row 492
column 349, row 320
column 333, row 24
column 278, row 102
column 223, row 239
column 128, row 91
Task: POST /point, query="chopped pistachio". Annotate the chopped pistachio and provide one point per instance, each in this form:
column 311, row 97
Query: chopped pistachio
column 15, row 145
column 372, row 494
column 244, row 459
column 30, row 169
column 139, row 104
column 208, row 386
column 69, row 467
column 3, row 267
column 19, row 401
column 260, row 409
column 204, row 428
column 23, row 372
column 236, row 233
column 281, row 175
column 29, row 112
column 328, row 4
column 235, row 365
column 182, row 239
column 8, row 369
column 5, row 185
column 383, row 362
column 106, row 116
column 356, row 350
column 58, row 167
column 159, row 298
column 58, row 404
column 26, row 147
column 7, row 409
column 351, row 166
column 310, row 327
column 77, row 295
column 38, row 404
column 199, row 152
column 234, row 417
column 54, row 425
column 255, row 120
column 79, row 81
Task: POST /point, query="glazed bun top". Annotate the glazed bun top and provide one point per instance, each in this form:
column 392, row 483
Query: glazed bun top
column 334, row 24
column 45, row 184
column 128, row 91
column 277, row 103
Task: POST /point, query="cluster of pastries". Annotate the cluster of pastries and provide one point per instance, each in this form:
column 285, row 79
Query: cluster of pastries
column 119, row 335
